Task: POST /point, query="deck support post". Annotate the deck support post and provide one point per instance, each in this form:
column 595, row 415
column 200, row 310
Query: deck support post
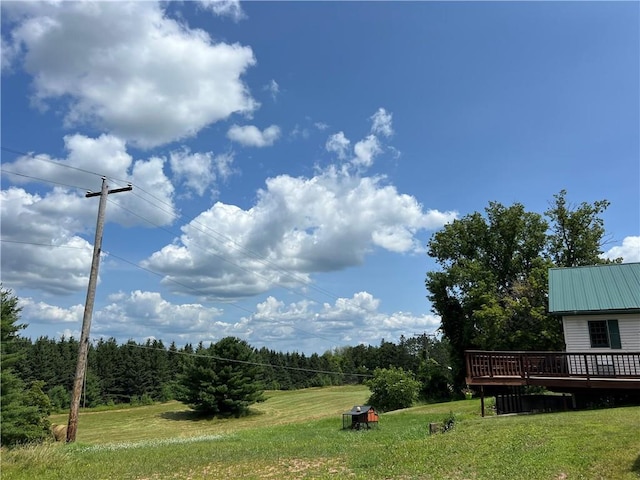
column 482, row 399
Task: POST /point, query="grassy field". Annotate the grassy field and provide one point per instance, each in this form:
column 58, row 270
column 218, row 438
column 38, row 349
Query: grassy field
column 296, row 435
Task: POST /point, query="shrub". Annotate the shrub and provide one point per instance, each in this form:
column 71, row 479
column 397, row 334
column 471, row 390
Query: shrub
column 392, row 389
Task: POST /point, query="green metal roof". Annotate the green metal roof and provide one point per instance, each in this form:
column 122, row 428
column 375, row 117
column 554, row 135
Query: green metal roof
column 600, row 288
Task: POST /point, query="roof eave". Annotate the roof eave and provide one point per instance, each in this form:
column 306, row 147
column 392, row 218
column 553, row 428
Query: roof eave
column 596, row 312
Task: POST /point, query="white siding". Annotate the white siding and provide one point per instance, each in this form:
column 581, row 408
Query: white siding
column 576, row 332
column 576, row 337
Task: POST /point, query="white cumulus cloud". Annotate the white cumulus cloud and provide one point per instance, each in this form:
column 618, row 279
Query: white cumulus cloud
column 339, row 144
column 298, row 226
column 199, row 171
column 90, row 158
column 128, row 68
column 382, row 123
column 251, row 136
column 225, row 8
column 46, row 313
column 310, row 326
column 366, row 150
column 40, row 248
column 138, row 315
column 629, row 251
column 105, row 155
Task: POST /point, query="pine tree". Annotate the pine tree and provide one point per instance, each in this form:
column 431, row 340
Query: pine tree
column 24, row 412
column 105, row 365
column 221, row 380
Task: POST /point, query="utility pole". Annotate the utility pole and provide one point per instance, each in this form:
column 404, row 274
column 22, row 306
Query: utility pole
column 83, row 350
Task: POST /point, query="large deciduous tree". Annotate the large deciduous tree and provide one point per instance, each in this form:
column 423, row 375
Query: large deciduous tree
column 222, row 380
column 577, row 233
column 491, row 291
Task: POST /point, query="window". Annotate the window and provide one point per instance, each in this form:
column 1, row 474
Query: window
column 604, row 334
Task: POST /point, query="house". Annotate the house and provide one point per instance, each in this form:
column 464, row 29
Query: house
column 600, row 306
column 360, row 417
column 600, row 310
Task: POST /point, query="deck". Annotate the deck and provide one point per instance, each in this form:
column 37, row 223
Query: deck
column 560, row 370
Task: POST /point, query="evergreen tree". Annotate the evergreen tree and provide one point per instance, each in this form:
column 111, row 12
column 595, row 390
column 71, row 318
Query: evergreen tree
column 173, row 360
column 91, row 392
column 23, row 416
column 132, row 379
column 9, row 328
column 174, row 367
column 158, row 365
column 221, row 380
column 41, row 362
column 59, row 397
column 67, row 361
column 103, row 361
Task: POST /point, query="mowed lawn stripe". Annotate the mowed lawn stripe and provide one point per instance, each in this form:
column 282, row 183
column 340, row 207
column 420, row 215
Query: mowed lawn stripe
column 173, row 419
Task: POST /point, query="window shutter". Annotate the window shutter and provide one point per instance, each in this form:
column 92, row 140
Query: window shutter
column 614, row 334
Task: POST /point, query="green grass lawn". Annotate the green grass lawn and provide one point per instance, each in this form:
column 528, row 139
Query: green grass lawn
column 295, row 435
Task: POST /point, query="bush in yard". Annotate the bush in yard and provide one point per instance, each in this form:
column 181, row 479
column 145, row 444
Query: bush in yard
column 392, row 389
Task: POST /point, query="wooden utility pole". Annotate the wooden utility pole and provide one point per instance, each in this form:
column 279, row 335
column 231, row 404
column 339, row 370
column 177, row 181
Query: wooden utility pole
column 81, row 366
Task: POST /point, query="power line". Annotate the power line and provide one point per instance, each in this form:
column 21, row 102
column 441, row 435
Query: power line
column 48, row 160
column 217, row 255
column 42, row 179
column 247, row 362
column 43, row 158
column 254, row 255
column 3, row 240
column 204, row 230
column 199, row 292
column 260, row 260
column 264, row 261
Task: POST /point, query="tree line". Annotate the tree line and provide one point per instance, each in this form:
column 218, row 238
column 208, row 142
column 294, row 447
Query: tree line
column 134, row 372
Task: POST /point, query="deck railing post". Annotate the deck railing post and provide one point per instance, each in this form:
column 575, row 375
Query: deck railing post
column 586, row 366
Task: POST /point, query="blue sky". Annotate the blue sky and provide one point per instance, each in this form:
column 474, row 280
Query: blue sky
column 291, row 160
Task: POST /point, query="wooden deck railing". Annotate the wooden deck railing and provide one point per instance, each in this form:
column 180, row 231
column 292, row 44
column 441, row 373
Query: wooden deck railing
column 525, row 365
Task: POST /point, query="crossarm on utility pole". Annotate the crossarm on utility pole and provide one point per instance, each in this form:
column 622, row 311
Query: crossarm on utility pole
column 83, row 350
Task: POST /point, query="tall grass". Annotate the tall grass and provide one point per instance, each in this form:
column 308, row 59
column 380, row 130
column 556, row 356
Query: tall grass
column 298, row 435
